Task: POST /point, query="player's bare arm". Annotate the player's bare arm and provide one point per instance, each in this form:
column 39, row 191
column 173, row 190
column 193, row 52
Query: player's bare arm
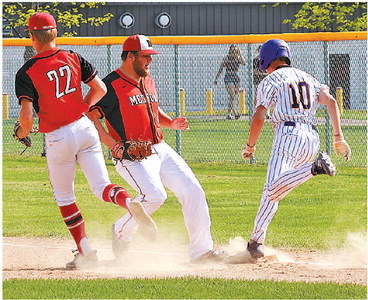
column 94, row 115
column 329, row 101
column 117, row 148
column 255, row 131
column 341, row 147
column 243, row 61
column 220, row 70
column 97, row 91
column 180, row 123
column 25, row 118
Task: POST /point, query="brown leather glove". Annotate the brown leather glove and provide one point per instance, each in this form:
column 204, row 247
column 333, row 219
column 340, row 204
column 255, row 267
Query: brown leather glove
column 132, row 150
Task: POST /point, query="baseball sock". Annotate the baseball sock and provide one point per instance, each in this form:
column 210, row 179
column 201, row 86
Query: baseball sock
column 116, row 194
column 75, row 224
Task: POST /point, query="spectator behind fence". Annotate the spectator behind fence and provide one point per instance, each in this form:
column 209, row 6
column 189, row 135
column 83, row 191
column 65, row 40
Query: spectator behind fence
column 231, row 63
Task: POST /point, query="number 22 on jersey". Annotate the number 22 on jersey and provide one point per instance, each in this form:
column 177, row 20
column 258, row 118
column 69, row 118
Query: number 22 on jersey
column 55, row 75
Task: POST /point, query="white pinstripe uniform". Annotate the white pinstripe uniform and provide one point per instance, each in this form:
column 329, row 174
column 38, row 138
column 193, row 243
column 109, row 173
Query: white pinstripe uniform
column 294, row 97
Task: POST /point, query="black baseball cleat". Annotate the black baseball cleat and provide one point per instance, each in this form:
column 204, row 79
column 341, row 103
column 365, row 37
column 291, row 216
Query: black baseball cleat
column 118, row 246
column 255, row 249
column 89, row 261
column 323, row 165
column 211, row 256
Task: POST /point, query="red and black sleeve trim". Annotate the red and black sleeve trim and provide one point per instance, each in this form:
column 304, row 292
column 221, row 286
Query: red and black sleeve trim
column 99, row 110
column 91, row 77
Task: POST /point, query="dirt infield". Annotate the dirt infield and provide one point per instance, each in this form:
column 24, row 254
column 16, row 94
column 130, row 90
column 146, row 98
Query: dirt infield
column 30, row 258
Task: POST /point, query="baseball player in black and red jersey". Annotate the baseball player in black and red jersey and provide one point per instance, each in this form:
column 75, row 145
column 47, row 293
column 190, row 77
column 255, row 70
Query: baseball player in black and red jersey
column 133, row 117
column 295, row 96
column 50, row 82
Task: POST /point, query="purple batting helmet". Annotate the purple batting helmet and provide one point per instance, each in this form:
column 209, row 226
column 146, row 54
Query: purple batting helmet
column 271, row 50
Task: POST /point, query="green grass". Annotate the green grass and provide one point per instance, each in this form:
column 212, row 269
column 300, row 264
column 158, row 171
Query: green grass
column 317, row 215
column 180, row 288
column 222, row 140
column 214, row 139
column 323, row 206
column 351, row 114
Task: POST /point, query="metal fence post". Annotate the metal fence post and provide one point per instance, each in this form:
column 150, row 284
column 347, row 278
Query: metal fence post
column 327, row 116
column 182, row 102
column 209, row 102
column 177, row 95
column 340, row 99
column 5, row 106
column 242, row 102
column 250, row 87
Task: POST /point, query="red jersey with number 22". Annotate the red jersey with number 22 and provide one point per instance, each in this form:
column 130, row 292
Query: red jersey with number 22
column 51, row 80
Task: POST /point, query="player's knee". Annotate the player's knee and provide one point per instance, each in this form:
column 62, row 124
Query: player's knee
column 274, row 199
column 196, row 189
column 275, row 195
column 157, row 195
column 98, row 191
column 191, row 189
column 64, row 200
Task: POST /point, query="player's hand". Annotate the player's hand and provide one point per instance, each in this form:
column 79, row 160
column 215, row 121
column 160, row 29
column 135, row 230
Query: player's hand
column 26, row 141
column 248, row 151
column 117, row 150
column 341, row 147
column 180, row 123
column 215, row 82
column 34, row 130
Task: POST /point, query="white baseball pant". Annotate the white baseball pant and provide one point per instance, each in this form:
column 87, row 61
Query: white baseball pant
column 293, row 152
column 67, row 145
column 167, row 169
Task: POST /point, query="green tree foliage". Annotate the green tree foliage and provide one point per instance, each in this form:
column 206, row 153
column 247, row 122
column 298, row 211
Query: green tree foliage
column 324, row 15
column 66, row 14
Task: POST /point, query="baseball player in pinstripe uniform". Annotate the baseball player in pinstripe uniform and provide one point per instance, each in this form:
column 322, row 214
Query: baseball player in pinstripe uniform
column 50, row 82
column 133, row 117
column 295, row 96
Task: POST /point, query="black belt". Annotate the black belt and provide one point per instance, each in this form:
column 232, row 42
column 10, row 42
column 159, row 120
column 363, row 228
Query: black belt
column 291, row 123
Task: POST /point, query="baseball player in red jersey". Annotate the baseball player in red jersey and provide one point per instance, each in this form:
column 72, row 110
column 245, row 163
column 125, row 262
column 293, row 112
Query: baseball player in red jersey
column 50, row 82
column 130, row 108
column 295, row 96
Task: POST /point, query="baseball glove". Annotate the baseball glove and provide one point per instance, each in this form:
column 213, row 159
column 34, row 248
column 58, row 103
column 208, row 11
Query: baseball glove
column 132, row 150
column 342, row 148
column 26, row 141
column 139, row 150
column 248, row 152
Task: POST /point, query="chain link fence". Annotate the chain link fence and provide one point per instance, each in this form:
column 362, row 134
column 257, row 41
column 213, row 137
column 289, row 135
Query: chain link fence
column 185, row 79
